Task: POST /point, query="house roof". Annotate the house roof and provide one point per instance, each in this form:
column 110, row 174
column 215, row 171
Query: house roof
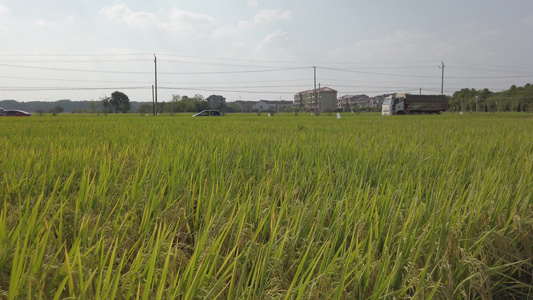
column 354, row 97
column 324, row 89
column 271, row 102
column 277, row 102
column 216, row 96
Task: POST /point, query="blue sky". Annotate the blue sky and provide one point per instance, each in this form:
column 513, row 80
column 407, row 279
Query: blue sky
column 253, row 49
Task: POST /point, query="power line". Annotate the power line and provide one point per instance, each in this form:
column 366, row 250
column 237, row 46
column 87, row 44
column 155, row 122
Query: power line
column 148, row 82
column 134, row 72
column 374, row 73
column 55, row 61
column 74, row 55
column 492, row 66
column 408, row 64
column 226, row 90
column 235, row 72
column 72, row 80
column 74, row 70
column 490, row 77
column 253, row 67
column 32, row 89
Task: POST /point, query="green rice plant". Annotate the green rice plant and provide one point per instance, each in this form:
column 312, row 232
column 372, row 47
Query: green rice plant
column 240, row 207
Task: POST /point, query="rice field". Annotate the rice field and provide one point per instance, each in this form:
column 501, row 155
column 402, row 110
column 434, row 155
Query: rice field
column 257, row 207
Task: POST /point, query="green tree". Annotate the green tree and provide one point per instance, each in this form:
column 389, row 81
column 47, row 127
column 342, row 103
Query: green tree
column 198, row 98
column 202, row 105
column 173, row 106
column 106, row 104
column 92, row 106
column 56, row 110
column 187, row 104
column 144, row 108
column 117, row 102
column 234, row 107
column 121, row 101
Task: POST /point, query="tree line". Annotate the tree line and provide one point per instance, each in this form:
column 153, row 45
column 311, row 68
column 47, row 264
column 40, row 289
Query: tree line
column 515, row 99
column 177, row 105
column 519, row 99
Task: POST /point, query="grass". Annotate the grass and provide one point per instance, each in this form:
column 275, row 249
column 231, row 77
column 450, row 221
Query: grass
column 249, row 207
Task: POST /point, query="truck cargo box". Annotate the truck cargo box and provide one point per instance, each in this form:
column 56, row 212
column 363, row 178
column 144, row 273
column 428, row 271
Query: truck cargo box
column 402, row 103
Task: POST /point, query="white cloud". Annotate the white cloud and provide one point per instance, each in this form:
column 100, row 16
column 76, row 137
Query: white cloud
column 122, row 14
column 266, row 16
column 467, row 41
column 3, row 9
column 43, row 23
column 186, row 22
column 225, row 31
column 274, row 38
column 244, row 24
column 528, row 21
column 392, row 45
column 112, row 51
column 179, row 21
column 252, row 3
column 277, row 44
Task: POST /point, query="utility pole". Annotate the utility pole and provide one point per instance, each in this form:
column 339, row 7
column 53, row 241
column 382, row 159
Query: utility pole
column 319, row 99
column 315, row 94
column 155, row 65
column 442, row 80
column 153, row 100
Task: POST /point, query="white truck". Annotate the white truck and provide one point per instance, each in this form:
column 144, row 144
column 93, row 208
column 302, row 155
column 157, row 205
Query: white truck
column 409, row 104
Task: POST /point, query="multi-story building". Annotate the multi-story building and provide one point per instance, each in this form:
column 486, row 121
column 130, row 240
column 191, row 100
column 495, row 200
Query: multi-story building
column 321, row 100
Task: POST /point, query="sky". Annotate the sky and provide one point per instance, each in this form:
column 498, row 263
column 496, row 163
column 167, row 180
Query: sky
column 260, row 50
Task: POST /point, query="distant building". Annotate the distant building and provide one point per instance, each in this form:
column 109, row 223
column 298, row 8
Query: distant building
column 321, row 100
column 216, row 101
column 264, row 106
column 260, row 105
column 245, row 106
column 359, row 102
column 375, row 101
column 350, row 102
column 273, row 106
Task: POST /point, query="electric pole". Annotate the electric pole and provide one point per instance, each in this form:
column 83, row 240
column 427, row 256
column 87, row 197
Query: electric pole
column 316, row 95
column 442, row 80
column 153, row 100
column 319, row 99
column 155, row 65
